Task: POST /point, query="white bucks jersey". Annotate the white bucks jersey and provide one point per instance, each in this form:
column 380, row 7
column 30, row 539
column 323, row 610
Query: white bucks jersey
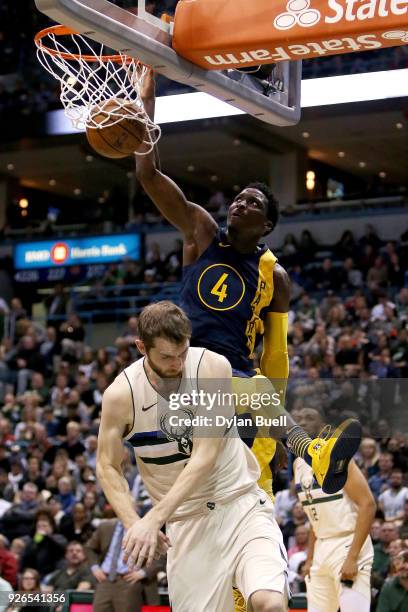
column 162, row 451
column 329, row 515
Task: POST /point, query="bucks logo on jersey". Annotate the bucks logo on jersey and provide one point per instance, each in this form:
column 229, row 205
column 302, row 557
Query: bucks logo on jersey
column 177, row 428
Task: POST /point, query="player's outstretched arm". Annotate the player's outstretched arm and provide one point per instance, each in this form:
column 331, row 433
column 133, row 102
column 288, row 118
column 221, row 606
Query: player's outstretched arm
column 274, row 359
column 195, row 223
column 117, row 415
column 360, row 494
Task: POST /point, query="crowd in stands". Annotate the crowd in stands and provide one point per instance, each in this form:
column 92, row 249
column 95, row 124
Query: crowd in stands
column 348, row 334
column 26, row 88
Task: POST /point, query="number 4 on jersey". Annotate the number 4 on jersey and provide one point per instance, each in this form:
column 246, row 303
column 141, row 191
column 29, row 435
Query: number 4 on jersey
column 220, row 288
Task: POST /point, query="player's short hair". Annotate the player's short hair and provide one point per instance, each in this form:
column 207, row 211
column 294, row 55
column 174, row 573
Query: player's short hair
column 272, row 212
column 163, row 320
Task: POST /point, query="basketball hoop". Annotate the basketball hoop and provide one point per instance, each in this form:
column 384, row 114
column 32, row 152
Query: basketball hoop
column 90, row 78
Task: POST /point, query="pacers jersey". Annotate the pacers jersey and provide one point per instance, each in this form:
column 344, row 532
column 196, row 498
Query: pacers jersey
column 226, row 295
column 163, row 449
column 329, row 515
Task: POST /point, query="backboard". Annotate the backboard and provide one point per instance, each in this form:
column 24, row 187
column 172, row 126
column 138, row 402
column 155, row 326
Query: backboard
column 272, row 96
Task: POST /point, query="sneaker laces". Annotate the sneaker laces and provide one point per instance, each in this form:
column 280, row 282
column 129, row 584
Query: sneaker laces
column 325, row 433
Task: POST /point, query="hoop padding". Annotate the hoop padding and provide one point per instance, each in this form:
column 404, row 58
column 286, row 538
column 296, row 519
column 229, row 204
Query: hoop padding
column 90, row 77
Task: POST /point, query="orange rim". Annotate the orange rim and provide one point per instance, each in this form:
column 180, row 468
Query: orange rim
column 61, row 30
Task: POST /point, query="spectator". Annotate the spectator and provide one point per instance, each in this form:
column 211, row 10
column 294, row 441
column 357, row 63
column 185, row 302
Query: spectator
column 346, row 246
column 65, row 494
column 71, row 336
column 377, row 276
column 91, row 444
column 76, row 574
column 141, row 497
column 392, row 500
column 368, row 457
column 18, row 520
column 46, row 549
column 17, row 547
column 301, row 540
column 26, row 360
column 298, row 519
column 50, row 347
column 351, row 277
column 155, row 259
column 30, row 583
column 73, row 444
column 115, row 583
column 51, row 423
column 284, row 502
column 33, row 473
column 307, row 245
column 56, row 306
column 379, row 311
column 381, row 563
column 394, row 594
column 380, row 481
column 39, row 387
column 76, row 526
column 403, row 531
column 6, row 489
column 60, row 391
column 327, row 277
column 8, row 564
column 290, row 246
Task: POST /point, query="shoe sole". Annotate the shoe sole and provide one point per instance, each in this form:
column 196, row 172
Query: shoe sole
column 342, row 452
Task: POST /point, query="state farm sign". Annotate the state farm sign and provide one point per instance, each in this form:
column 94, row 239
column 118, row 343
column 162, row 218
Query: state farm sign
column 244, row 33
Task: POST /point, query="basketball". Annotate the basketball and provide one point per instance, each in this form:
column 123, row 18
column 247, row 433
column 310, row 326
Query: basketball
column 115, row 139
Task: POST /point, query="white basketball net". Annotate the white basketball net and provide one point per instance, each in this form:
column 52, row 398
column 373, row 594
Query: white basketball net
column 88, row 84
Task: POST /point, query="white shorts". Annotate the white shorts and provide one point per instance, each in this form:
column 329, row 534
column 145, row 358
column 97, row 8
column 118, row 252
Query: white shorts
column 324, row 587
column 234, row 544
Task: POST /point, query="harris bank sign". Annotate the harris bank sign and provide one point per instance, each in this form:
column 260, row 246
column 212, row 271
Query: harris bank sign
column 76, row 251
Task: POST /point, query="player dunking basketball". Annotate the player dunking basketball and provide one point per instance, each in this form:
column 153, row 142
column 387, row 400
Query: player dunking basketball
column 219, row 523
column 235, row 293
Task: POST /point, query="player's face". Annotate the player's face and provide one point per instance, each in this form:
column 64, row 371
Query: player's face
column 167, row 358
column 248, row 213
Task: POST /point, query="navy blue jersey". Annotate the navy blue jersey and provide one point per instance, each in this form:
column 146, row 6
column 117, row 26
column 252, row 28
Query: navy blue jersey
column 226, row 295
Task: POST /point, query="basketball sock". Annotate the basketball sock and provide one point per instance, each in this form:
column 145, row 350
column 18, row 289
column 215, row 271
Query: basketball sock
column 298, row 442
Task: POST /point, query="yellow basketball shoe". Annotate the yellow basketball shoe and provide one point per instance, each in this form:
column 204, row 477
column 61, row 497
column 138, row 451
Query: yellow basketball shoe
column 331, row 456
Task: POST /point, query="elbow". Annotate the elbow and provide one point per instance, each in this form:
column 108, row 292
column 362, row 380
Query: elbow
column 206, row 464
column 369, row 508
